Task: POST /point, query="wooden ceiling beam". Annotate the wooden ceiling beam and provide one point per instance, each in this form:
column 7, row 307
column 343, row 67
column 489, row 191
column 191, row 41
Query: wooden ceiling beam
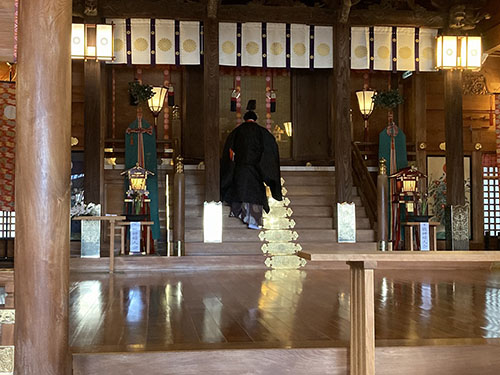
column 491, row 39
column 149, row 9
column 359, row 17
column 260, row 13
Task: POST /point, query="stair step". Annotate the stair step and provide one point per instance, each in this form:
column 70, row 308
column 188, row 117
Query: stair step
column 286, row 174
column 316, row 246
column 306, row 189
column 253, row 248
column 326, row 235
column 305, row 235
column 301, row 222
column 317, row 200
column 233, row 235
column 291, row 180
column 225, row 248
column 295, row 200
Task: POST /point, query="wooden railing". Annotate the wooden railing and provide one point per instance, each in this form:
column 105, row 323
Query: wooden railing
column 369, row 152
column 365, row 184
column 7, row 320
column 115, row 148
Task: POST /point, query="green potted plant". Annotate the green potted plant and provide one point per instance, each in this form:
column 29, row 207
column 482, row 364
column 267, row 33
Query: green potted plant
column 388, row 100
column 139, row 93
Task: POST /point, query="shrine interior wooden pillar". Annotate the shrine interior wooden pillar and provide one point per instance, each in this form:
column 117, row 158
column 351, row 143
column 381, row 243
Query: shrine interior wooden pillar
column 341, row 116
column 43, row 131
column 211, row 109
column 94, row 124
column 455, row 192
column 418, row 120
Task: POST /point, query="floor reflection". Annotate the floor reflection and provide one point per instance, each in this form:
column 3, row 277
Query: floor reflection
column 283, row 308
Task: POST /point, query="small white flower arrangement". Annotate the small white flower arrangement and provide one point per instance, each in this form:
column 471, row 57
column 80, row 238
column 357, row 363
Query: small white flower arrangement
column 82, row 209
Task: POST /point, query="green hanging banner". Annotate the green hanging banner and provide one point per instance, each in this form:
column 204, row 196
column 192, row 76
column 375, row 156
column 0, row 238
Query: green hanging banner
column 140, row 128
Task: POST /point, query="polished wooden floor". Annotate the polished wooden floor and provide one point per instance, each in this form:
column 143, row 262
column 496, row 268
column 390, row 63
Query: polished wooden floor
column 275, row 309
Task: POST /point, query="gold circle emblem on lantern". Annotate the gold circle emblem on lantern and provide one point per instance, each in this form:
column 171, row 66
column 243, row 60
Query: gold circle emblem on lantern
column 276, row 48
column 405, row 53
column 360, row 52
column 383, row 52
column 164, row 44
column 252, row 48
column 323, row 49
column 189, row 45
column 299, row 49
column 140, row 44
column 478, row 146
column 228, row 47
column 442, row 146
column 118, row 45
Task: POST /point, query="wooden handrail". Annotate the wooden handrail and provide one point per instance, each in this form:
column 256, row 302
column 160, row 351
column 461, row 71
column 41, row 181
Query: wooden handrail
column 364, row 183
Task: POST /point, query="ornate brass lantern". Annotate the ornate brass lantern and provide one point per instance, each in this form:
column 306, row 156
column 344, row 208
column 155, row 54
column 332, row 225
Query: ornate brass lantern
column 137, row 178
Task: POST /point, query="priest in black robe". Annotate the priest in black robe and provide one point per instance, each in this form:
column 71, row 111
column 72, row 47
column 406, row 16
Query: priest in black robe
column 250, row 160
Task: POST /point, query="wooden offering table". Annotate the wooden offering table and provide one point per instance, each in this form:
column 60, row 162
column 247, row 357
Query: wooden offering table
column 362, row 265
column 410, row 228
column 147, row 224
column 112, row 221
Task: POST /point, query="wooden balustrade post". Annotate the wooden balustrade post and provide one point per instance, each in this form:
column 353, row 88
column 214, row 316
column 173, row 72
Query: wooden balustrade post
column 179, row 206
column 382, row 206
column 43, row 159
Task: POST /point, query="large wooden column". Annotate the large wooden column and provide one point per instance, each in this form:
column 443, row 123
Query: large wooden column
column 341, row 107
column 211, row 109
column 420, row 113
column 94, row 121
column 417, row 120
column 455, row 193
column 43, row 187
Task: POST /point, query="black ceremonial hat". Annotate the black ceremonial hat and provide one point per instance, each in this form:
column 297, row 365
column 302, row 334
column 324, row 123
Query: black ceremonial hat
column 251, row 105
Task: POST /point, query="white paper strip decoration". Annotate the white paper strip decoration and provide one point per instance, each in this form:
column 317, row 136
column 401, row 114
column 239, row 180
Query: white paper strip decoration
column 165, row 42
column 427, row 50
column 120, row 40
column 227, row 44
column 383, row 48
column 360, row 48
column 251, row 44
column 190, row 42
column 323, row 47
column 406, row 48
column 276, row 45
column 299, row 46
column 141, row 49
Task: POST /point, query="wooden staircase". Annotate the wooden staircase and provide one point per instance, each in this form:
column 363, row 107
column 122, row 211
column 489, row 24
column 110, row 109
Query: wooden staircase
column 311, row 195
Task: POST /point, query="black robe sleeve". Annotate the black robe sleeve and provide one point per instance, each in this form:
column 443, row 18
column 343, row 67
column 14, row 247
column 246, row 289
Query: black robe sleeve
column 226, row 169
column 270, row 165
